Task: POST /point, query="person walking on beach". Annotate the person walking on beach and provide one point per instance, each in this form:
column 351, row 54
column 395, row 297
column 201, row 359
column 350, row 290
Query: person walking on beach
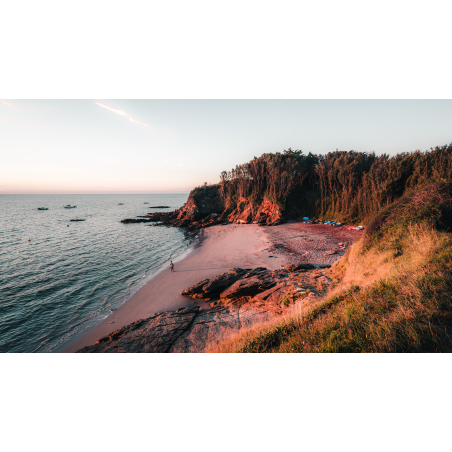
column 171, row 266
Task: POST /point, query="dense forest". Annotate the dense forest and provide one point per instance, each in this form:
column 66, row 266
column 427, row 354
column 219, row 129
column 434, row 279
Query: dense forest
column 346, row 185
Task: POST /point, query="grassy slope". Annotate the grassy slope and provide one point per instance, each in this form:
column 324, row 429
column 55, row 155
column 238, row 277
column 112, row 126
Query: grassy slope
column 392, row 291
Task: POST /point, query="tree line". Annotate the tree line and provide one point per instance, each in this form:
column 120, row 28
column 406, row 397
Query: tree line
column 347, row 185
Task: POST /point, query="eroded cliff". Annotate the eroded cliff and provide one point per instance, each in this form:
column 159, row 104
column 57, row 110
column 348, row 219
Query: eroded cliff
column 206, row 206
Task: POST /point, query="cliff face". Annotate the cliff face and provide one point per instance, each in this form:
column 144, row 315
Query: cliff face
column 252, row 212
column 200, row 204
column 205, row 207
column 206, row 204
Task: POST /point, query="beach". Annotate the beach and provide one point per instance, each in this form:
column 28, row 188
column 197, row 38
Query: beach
column 221, row 248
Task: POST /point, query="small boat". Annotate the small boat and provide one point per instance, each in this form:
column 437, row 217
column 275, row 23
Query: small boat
column 145, row 203
column 79, row 219
column 43, row 208
column 121, row 204
column 68, row 206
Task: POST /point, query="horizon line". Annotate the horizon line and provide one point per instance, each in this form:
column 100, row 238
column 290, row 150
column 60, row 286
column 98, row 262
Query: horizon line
column 104, row 193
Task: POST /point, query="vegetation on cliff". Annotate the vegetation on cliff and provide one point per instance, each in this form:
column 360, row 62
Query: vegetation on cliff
column 393, row 288
column 347, row 186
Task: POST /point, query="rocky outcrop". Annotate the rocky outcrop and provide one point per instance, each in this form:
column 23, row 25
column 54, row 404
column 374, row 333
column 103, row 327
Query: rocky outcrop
column 265, row 212
column 211, row 288
column 211, row 327
column 205, row 207
column 155, row 334
column 296, row 267
column 248, row 287
column 181, row 331
column 275, row 291
column 248, row 297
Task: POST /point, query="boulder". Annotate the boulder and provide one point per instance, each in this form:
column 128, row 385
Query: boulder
column 211, row 288
column 266, row 294
column 248, row 287
column 276, row 297
column 295, row 267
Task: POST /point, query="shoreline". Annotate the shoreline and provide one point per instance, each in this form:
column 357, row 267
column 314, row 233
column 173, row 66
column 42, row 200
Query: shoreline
column 219, row 249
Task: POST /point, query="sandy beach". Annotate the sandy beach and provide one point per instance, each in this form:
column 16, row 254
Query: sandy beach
column 222, row 248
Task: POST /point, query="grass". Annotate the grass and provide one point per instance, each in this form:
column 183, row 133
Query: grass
column 390, row 295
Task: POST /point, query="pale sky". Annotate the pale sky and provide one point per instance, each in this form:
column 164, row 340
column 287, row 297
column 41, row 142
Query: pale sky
column 145, row 146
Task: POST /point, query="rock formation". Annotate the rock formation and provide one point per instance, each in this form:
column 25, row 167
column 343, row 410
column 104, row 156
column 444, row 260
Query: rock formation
column 206, row 208
column 211, row 288
column 242, row 297
column 184, row 330
column 265, row 212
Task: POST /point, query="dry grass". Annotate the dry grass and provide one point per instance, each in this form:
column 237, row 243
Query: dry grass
column 394, row 296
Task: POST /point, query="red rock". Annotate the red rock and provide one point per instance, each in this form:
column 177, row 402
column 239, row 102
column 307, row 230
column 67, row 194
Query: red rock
column 248, row 287
column 295, row 267
column 212, row 287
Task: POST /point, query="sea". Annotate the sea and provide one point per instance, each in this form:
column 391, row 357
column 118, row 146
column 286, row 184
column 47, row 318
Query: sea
column 60, row 278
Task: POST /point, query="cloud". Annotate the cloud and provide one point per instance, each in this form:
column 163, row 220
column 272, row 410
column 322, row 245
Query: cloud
column 124, row 114
column 172, row 161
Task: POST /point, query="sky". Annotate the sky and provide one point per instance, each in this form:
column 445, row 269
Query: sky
column 149, row 146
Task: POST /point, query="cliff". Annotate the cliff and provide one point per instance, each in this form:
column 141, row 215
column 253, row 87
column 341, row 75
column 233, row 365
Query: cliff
column 206, row 207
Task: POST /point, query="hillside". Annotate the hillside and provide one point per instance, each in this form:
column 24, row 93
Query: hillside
column 344, row 186
column 392, row 290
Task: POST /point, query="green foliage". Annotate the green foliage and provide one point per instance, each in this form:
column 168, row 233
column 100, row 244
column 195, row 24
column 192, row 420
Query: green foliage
column 431, row 205
column 409, row 308
column 345, row 186
column 254, row 198
column 204, row 192
column 285, row 301
column 409, row 311
column 271, row 176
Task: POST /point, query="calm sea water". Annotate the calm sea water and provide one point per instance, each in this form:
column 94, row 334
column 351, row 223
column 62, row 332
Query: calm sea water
column 67, row 279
